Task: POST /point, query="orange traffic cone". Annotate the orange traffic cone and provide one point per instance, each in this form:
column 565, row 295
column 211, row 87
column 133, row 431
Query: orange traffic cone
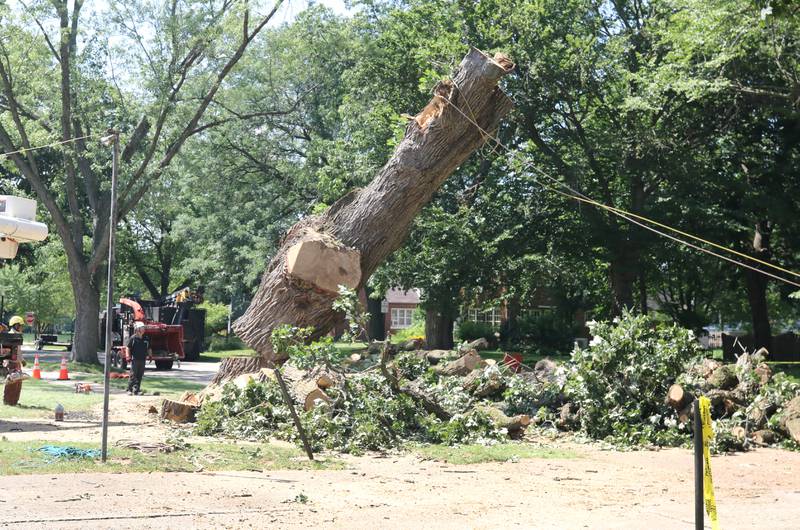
column 63, row 375
column 37, row 372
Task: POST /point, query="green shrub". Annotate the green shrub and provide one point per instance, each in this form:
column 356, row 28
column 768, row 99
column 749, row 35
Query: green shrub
column 469, row 331
column 216, row 317
column 620, row 381
column 225, row 343
column 547, row 333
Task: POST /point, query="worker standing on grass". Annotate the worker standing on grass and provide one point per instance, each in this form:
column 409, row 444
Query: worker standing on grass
column 138, row 348
column 15, row 324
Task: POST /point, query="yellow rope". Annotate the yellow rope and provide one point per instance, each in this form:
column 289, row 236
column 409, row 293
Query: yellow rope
column 630, row 216
column 26, row 149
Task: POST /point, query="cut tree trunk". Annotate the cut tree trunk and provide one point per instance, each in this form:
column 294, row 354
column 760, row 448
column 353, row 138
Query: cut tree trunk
column 511, row 423
column 178, row 412
column 461, row 366
column 678, row 398
column 361, row 229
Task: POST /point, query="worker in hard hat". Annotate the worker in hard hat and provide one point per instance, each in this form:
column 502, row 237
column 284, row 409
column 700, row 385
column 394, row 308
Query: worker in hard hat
column 138, row 348
column 16, row 324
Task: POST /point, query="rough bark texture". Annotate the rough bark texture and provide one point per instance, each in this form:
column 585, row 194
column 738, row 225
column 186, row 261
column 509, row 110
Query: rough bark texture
column 87, row 320
column 756, row 284
column 461, row 366
column 374, row 221
column 233, row 367
column 438, row 330
column 178, row 412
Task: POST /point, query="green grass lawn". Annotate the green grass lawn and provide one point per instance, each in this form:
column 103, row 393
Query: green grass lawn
column 217, row 356
column 476, row 454
column 350, row 347
column 39, row 398
column 164, row 385
column 17, row 458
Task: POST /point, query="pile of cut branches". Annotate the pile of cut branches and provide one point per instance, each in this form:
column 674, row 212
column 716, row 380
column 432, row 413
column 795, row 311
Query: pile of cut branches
column 612, row 391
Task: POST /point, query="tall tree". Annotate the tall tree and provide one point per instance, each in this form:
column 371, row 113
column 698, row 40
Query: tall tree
column 61, row 80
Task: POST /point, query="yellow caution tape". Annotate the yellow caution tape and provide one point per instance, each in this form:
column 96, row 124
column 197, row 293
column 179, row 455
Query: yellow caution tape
column 708, row 483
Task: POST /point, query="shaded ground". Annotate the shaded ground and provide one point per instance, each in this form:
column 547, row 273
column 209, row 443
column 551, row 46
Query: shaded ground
column 598, row 490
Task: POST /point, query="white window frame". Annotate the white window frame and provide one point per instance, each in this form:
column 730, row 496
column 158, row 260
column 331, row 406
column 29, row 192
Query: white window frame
column 401, row 317
column 489, row 316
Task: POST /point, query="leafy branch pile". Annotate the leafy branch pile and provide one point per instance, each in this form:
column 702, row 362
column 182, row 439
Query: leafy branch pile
column 613, row 391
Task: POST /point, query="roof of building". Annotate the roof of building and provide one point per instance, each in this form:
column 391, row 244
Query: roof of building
column 398, row 296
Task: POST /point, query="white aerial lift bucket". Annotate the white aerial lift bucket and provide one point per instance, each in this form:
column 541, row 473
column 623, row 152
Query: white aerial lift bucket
column 18, row 224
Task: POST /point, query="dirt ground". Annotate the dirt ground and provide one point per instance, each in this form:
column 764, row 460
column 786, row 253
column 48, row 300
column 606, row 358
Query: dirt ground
column 600, row 489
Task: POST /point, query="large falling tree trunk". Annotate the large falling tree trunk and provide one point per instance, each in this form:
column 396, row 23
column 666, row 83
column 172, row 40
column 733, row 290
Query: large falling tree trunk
column 757, row 288
column 344, row 245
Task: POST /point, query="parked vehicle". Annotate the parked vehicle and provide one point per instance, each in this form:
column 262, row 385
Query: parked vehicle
column 174, row 327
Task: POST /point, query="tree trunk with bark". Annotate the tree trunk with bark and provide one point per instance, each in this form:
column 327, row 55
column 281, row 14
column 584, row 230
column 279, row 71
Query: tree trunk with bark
column 376, row 326
column 438, row 330
column 87, row 317
column 345, row 244
column 622, row 275
column 756, row 284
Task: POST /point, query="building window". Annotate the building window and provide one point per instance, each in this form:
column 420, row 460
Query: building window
column 488, row 316
column 401, row 317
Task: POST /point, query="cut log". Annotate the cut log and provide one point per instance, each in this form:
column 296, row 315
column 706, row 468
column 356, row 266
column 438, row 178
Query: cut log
column 723, row 378
column 375, row 221
column 790, row 419
column 325, row 381
column 707, row 367
column 191, row 398
column 483, row 383
column 461, row 366
column 686, row 414
column 677, row 397
column 763, row 373
column 739, row 433
column 764, row 437
column 306, row 388
column 568, row 417
column 545, row 370
column 510, row 423
column 307, row 394
column 759, row 414
column 178, row 412
column 323, row 264
column 479, row 344
column 437, row 356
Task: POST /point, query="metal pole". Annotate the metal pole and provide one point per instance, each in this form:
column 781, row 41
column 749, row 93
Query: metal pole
column 112, row 225
column 698, row 468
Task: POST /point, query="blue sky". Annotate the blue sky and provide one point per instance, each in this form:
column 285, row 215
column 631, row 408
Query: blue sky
column 291, row 8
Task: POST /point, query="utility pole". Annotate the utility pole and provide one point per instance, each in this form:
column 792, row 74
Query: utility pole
column 111, row 139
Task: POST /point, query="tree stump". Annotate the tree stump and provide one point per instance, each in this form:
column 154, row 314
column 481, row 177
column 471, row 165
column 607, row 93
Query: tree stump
column 178, row 412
